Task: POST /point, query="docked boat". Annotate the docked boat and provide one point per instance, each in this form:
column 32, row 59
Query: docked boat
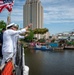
column 69, row 47
column 43, row 48
column 58, row 48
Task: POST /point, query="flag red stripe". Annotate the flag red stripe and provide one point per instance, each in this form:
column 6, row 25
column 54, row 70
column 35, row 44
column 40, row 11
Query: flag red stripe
column 7, row 5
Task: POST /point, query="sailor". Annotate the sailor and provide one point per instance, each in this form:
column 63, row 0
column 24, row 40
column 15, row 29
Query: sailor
column 8, row 41
column 15, row 42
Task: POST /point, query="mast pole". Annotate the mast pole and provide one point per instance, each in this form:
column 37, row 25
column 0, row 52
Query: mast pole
column 9, row 18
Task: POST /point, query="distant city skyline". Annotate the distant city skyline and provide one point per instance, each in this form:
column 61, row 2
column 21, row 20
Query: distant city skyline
column 58, row 15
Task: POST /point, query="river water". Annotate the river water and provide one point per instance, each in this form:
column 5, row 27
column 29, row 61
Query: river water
column 50, row 62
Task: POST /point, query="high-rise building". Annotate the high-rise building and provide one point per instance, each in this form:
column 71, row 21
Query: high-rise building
column 33, row 13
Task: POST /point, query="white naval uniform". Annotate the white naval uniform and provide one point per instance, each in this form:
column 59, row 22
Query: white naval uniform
column 8, row 43
column 16, row 38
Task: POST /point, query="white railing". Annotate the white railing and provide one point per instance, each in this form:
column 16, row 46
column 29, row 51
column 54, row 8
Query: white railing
column 21, row 68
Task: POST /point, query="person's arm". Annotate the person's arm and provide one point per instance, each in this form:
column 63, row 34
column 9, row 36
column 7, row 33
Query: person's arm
column 21, row 37
column 12, row 32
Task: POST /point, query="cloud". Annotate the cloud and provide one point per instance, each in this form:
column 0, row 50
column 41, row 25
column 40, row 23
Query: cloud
column 58, row 14
column 58, row 2
column 55, row 11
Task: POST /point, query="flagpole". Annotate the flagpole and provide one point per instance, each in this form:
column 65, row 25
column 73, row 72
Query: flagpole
column 9, row 18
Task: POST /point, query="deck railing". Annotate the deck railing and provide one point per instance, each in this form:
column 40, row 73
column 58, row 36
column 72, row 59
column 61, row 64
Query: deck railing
column 21, row 68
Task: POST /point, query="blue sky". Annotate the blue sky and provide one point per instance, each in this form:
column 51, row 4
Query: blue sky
column 58, row 15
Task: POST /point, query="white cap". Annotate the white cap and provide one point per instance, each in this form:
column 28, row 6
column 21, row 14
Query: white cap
column 15, row 25
column 12, row 24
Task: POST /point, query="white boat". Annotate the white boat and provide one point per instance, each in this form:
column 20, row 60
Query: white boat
column 43, row 48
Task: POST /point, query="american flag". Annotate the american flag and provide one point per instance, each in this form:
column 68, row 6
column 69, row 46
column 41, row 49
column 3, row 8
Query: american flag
column 6, row 4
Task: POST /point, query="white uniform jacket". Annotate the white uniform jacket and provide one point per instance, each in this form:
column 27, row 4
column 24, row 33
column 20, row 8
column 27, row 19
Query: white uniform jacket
column 8, row 41
column 16, row 38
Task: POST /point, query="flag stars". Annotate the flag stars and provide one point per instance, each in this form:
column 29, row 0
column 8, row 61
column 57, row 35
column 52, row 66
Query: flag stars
column 7, row 1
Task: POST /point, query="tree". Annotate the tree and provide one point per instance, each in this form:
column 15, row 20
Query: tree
column 2, row 24
column 30, row 36
column 40, row 31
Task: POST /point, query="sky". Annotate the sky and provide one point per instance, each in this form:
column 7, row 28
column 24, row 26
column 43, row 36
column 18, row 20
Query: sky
column 58, row 15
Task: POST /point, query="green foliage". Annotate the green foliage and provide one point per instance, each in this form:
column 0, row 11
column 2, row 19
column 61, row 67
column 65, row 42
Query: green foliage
column 40, row 31
column 53, row 40
column 2, row 25
column 70, row 43
column 30, row 36
column 41, row 40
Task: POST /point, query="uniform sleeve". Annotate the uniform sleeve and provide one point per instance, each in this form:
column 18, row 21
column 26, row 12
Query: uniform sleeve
column 12, row 32
column 21, row 37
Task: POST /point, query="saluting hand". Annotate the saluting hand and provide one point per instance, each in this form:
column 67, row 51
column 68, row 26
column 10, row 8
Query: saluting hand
column 30, row 25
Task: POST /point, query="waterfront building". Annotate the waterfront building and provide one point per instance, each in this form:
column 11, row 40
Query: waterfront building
column 47, row 34
column 33, row 13
column 66, row 36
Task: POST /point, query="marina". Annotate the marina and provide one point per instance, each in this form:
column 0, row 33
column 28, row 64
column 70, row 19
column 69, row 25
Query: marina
column 58, row 61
